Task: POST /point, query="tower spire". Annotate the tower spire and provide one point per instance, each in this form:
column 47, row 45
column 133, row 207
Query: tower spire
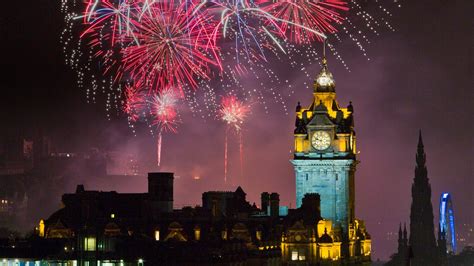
column 405, row 231
column 422, row 237
column 420, row 140
column 400, row 231
column 420, row 153
column 324, row 54
column 324, row 81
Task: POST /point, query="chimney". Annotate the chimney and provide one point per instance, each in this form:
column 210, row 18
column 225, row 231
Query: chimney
column 274, row 205
column 160, row 192
column 265, row 199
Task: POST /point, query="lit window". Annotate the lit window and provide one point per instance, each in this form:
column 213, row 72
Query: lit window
column 197, row 234
column 157, row 235
column 294, row 255
column 89, row 244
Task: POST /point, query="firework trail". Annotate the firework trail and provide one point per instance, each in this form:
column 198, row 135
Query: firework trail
column 164, row 111
column 233, row 112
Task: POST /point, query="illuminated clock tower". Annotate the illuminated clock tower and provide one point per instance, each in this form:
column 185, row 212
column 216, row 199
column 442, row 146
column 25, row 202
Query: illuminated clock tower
column 325, row 152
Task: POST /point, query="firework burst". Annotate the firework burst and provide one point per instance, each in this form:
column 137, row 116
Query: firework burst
column 114, row 16
column 173, row 48
column 164, row 109
column 202, row 49
column 133, row 103
column 300, row 19
column 165, row 114
column 233, row 112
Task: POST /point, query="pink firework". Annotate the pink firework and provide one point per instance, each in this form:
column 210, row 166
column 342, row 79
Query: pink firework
column 233, row 112
column 171, row 47
column 113, row 15
column 134, row 102
column 299, row 18
column 164, row 110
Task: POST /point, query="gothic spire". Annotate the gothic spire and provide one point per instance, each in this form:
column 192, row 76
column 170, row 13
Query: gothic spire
column 420, row 154
column 400, row 232
column 420, row 139
column 405, row 234
column 422, row 237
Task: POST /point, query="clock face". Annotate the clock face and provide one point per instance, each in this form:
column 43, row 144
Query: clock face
column 297, row 238
column 321, row 140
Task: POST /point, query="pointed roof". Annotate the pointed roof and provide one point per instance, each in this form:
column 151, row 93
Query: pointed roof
column 325, row 238
column 400, row 231
column 240, row 191
column 420, row 140
column 420, row 153
column 324, row 81
column 320, row 116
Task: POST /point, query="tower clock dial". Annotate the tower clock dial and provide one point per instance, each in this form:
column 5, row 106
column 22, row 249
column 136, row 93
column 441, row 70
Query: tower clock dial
column 321, row 140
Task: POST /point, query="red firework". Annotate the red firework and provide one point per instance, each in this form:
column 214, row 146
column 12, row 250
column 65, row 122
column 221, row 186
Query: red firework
column 164, row 110
column 170, row 47
column 134, row 102
column 114, row 16
column 297, row 16
column 234, row 113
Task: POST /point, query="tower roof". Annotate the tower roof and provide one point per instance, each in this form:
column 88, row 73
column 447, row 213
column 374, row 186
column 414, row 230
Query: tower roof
column 420, row 140
column 325, row 238
column 324, row 81
column 420, row 153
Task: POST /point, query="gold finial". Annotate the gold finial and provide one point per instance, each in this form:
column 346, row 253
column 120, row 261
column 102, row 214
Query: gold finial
column 324, row 53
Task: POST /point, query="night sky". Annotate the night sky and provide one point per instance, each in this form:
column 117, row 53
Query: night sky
column 419, row 77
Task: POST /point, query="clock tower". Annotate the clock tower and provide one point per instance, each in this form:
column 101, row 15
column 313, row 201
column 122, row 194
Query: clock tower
column 325, row 152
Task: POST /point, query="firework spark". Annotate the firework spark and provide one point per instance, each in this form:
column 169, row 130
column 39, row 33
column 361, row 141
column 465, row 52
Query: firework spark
column 164, row 111
column 134, row 102
column 233, row 112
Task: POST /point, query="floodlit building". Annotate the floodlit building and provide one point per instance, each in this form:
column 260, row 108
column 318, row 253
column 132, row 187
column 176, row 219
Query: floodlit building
column 325, row 163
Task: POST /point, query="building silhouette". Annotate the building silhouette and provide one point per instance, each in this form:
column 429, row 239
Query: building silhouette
column 110, row 228
column 422, row 248
column 422, row 239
